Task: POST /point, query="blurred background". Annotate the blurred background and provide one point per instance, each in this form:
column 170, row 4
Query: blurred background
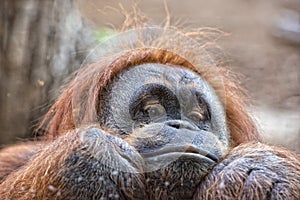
column 42, row 42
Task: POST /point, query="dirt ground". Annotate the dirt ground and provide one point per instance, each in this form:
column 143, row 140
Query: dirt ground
column 271, row 66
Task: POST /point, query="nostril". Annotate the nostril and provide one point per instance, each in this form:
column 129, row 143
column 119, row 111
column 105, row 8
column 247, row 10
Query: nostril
column 174, row 124
column 179, row 124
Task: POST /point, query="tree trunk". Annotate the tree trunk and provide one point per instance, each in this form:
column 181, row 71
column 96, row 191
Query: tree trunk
column 41, row 42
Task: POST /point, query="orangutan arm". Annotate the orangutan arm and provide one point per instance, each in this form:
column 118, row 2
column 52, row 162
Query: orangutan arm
column 254, row 171
column 82, row 164
column 15, row 156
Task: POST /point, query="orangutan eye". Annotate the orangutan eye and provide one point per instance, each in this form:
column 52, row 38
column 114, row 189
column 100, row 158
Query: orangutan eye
column 154, row 110
column 154, row 103
column 196, row 116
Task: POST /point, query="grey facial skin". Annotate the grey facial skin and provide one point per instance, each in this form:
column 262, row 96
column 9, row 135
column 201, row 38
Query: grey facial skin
column 172, row 117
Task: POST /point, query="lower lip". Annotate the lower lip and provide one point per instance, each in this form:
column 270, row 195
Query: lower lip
column 160, row 161
column 175, row 155
column 178, row 151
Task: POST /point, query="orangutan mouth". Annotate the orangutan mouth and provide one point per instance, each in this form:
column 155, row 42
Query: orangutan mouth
column 180, row 151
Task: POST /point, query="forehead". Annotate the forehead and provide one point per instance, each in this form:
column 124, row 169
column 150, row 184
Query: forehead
column 173, row 76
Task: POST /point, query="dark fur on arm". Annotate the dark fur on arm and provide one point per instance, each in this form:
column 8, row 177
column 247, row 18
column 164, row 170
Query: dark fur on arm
column 254, row 171
column 78, row 165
